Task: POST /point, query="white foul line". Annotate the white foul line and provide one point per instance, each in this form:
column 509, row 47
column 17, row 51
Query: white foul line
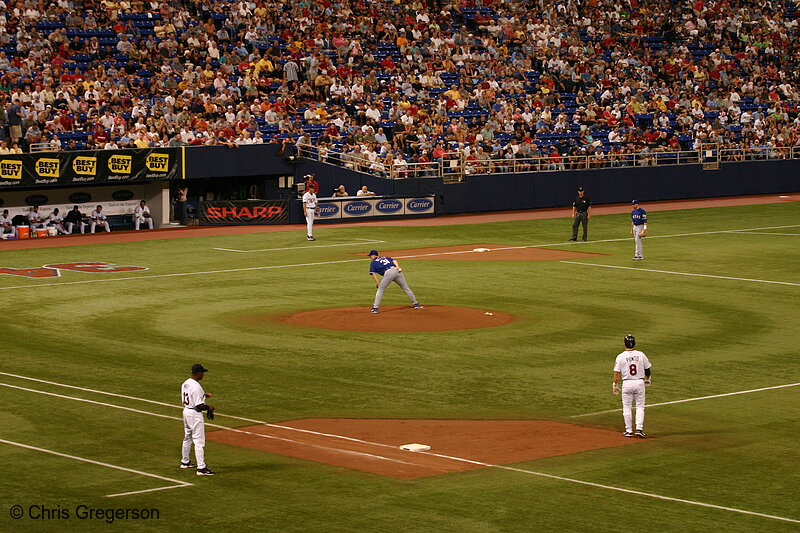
column 235, row 430
column 651, row 495
column 322, row 263
column 453, row 458
column 313, row 246
column 178, row 484
column 261, row 422
column 767, row 233
column 683, row 273
column 695, row 399
column 181, row 274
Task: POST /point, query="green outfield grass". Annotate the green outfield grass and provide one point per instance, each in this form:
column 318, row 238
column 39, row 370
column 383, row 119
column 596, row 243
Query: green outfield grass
column 138, row 337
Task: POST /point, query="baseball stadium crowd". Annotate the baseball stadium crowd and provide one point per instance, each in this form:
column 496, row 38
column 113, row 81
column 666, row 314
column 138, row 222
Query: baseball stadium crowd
column 390, row 82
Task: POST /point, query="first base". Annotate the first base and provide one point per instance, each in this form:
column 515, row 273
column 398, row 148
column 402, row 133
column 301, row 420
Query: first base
column 415, row 447
column 481, row 250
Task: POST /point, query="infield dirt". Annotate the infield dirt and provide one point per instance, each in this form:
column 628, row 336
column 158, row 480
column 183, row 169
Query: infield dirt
column 372, row 445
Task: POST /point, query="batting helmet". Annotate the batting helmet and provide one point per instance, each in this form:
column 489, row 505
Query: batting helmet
column 630, row 341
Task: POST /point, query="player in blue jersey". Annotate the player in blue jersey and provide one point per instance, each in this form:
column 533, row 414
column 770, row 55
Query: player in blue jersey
column 391, row 271
column 638, row 224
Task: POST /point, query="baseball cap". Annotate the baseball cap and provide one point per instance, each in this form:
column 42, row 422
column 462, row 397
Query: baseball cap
column 634, row 202
column 373, row 252
column 198, row 368
column 580, row 189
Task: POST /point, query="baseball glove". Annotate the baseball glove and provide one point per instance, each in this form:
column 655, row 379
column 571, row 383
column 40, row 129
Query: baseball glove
column 210, row 414
column 644, row 232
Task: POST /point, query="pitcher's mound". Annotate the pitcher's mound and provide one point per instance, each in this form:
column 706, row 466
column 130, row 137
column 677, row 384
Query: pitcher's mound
column 399, row 318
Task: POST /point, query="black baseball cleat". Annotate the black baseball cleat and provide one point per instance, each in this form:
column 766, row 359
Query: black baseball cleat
column 205, row 472
column 628, row 434
column 640, row 434
column 573, row 239
column 311, row 238
column 417, row 306
column 188, row 465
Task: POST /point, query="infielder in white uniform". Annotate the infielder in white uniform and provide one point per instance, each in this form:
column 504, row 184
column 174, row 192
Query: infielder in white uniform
column 35, row 218
column 55, row 219
column 193, row 398
column 98, row 217
column 633, row 368
column 311, row 210
column 141, row 213
column 7, row 224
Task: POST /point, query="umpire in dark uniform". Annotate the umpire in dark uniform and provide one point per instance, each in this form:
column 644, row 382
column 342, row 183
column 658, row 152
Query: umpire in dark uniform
column 581, row 213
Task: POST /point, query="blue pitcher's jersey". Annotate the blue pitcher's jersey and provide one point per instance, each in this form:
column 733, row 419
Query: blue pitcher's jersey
column 638, row 216
column 380, row 265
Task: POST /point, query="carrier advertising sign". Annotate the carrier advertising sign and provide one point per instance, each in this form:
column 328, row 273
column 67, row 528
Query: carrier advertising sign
column 357, row 208
column 338, row 209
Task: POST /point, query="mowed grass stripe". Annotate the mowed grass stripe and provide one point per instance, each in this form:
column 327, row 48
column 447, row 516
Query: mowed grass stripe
column 379, row 457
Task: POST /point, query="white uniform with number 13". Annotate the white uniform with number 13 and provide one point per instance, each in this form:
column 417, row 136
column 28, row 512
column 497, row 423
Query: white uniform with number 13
column 631, row 365
column 192, row 395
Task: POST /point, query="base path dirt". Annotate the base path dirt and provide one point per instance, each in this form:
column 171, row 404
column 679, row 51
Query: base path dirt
column 393, row 318
column 486, row 252
column 172, row 232
column 456, row 445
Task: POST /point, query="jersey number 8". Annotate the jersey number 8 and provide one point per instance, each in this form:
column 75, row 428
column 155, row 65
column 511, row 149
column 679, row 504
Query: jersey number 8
column 632, row 370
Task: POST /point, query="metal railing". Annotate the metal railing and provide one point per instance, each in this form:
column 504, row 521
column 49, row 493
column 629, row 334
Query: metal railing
column 40, row 147
column 454, row 166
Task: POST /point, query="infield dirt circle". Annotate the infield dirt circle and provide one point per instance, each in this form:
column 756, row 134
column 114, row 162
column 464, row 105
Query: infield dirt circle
column 399, row 318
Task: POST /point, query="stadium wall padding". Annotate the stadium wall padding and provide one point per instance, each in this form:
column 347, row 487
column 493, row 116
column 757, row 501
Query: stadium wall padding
column 500, row 192
column 505, row 192
column 497, row 192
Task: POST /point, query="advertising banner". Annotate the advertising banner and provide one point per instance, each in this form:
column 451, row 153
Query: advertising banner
column 244, row 212
column 334, row 208
column 328, row 210
column 419, row 206
column 358, row 208
column 89, row 167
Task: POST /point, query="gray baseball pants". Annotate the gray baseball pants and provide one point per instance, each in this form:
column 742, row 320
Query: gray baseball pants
column 638, row 240
column 393, row 275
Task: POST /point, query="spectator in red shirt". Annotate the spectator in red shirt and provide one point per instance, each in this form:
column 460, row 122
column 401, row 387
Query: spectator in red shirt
column 556, row 161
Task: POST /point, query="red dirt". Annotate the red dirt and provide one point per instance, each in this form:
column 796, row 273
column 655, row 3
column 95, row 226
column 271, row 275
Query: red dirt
column 447, row 220
column 394, row 318
column 373, row 445
column 492, row 252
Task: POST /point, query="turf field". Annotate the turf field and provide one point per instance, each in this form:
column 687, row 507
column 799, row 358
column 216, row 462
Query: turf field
column 714, row 305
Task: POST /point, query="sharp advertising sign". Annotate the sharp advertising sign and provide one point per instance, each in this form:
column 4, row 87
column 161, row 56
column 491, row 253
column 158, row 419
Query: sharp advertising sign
column 245, row 212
